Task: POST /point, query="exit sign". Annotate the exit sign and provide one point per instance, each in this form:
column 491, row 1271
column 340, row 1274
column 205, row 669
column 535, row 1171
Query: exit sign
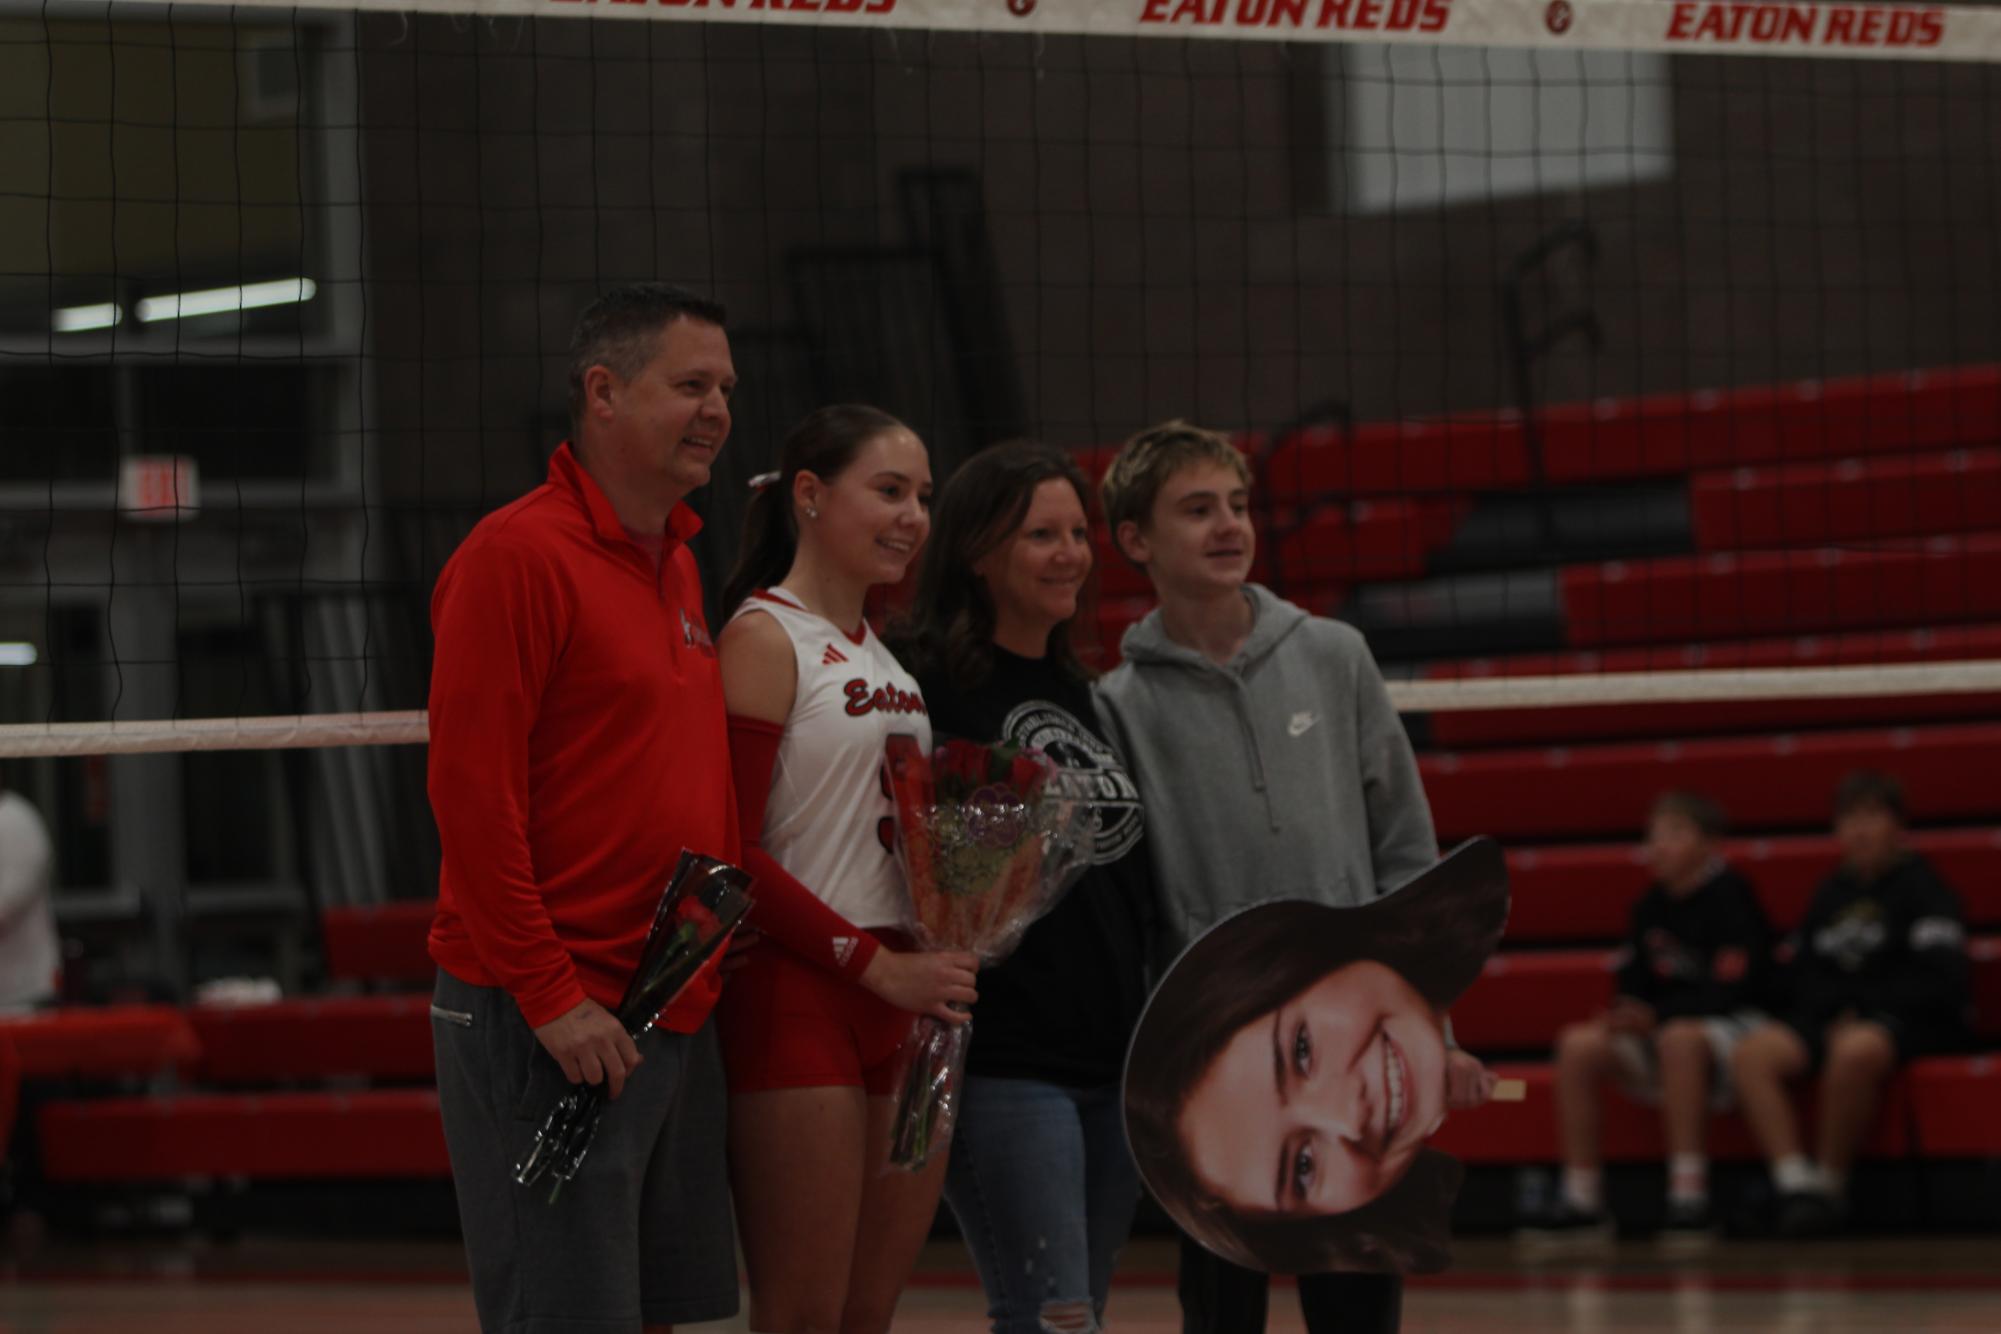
column 158, row 488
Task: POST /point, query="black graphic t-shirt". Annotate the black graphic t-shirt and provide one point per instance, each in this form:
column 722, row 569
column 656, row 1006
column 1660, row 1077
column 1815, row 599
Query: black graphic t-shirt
column 1705, row 953
column 1062, row 1007
column 1892, row 950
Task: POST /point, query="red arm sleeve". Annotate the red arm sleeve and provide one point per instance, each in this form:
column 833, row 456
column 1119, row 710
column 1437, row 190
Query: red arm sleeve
column 497, row 622
column 786, row 910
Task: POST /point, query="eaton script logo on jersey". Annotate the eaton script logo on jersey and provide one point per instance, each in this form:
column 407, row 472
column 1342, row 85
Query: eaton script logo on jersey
column 862, row 700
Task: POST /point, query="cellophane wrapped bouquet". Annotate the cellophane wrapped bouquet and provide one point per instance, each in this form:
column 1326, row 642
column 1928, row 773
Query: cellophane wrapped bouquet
column 989, row 840
column 701, row 905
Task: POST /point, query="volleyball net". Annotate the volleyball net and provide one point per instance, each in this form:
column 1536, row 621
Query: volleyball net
column 1625, row 369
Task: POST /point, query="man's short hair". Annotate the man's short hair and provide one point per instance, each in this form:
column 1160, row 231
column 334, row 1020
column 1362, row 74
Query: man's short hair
column 1145, row 462
column 1698, row 810
column 622, row 327
column 1870, row 787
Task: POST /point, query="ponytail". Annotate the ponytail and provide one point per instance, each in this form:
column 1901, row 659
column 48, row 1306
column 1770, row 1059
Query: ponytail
column 770, row 541
column 824, row 444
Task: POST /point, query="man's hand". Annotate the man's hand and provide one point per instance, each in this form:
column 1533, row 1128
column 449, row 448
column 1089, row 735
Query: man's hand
column 1630, row 1016
column 591, row 1046
column 1468, row 1083
column 939, row 984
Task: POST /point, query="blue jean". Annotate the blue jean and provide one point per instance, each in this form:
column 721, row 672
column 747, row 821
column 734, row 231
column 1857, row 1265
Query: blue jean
column 1044, row 1192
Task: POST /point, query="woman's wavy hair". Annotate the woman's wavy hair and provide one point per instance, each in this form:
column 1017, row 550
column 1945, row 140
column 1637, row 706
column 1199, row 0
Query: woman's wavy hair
column 824, row 444
column 950, row 626
column 1437, row 936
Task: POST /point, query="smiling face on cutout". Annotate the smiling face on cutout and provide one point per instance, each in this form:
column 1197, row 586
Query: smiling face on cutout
column 1321, row 1105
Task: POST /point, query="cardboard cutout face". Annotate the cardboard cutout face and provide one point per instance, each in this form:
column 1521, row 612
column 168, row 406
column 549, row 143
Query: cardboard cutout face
column 1291, row 1065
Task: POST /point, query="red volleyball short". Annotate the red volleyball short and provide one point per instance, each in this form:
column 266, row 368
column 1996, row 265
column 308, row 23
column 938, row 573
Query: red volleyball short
column 787, row 1024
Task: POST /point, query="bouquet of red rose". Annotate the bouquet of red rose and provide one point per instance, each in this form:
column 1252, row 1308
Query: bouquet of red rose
column 989, row 841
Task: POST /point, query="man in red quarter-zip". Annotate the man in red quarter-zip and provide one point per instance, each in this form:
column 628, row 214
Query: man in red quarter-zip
column 578, row 745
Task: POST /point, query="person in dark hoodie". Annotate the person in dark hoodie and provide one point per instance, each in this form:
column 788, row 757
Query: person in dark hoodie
column 1691, row 979
column 1877, row 974
column 1272, row 766
column 1039, row 1177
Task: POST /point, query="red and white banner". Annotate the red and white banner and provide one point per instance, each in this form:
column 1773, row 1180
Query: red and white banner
column 1731, row 27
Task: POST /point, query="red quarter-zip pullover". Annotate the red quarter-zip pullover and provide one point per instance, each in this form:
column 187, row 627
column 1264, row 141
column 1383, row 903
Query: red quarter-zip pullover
column 578, row 744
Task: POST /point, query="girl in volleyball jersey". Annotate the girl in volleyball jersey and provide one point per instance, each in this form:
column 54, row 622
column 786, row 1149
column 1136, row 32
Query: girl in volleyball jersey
column 812, row 1021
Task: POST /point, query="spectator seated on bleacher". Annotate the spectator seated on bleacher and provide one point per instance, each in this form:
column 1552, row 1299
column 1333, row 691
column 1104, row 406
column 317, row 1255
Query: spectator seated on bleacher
column 1690, row 982
column 1876, row 975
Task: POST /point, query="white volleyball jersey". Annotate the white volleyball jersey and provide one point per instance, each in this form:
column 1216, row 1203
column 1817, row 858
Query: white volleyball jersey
column 829, row 820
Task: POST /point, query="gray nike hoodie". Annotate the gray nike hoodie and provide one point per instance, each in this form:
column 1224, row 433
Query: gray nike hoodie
column 1286, row 774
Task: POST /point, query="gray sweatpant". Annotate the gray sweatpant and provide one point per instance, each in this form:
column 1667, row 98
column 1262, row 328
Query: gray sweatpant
column 642, row 1236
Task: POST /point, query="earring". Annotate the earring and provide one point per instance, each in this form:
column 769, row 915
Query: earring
column 812, row 513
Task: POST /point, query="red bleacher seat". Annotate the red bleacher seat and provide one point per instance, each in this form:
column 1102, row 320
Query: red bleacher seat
column 389, row 1133
column 1808, row 504
column 1662, row 435
column 1587, row 893
column 1369, row 540
column 1669, row 434
column 1676, row 598
column 1784, row 782
column 1446, row 455
column 1956, row 1106
column 1525, row 997
column 1481, row 727
column 379, row 942
column 377, row 1037
column 1526, row 1131
column 100, row 1042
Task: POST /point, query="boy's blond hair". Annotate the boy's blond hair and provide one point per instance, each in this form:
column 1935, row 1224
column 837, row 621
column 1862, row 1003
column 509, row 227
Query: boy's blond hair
column 1145, row 462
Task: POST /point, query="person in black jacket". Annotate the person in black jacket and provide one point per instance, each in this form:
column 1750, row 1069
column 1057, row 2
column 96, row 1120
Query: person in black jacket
column 1876, row 974
column 1690, row 980
column 1039, row 1177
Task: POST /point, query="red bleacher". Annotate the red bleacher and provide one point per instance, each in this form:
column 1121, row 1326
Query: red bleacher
column 1586, row 894
column 315, row 1039
column 1481, row 727
column 100, row 1042
column 1368, row 540
column 1782, row 782
column 1810, row 504
column 385, row 942
column 1662, row 435
column 1938, row 580
column 1447, row 456
column 1670, row 434
column 1504, row 1133
column 375, row 1134
column 1526, row 997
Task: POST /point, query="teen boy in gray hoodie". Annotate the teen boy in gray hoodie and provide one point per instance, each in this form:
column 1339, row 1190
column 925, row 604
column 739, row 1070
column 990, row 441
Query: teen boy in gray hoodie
column 1271, row 765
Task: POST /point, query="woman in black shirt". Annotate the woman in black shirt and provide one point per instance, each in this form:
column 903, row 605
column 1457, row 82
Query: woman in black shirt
column 1039, row 1180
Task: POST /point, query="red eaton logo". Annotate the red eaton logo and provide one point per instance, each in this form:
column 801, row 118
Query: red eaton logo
column 883, row 699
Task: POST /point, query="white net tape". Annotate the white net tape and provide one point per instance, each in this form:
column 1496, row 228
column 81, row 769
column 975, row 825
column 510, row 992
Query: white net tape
column 28, row 740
